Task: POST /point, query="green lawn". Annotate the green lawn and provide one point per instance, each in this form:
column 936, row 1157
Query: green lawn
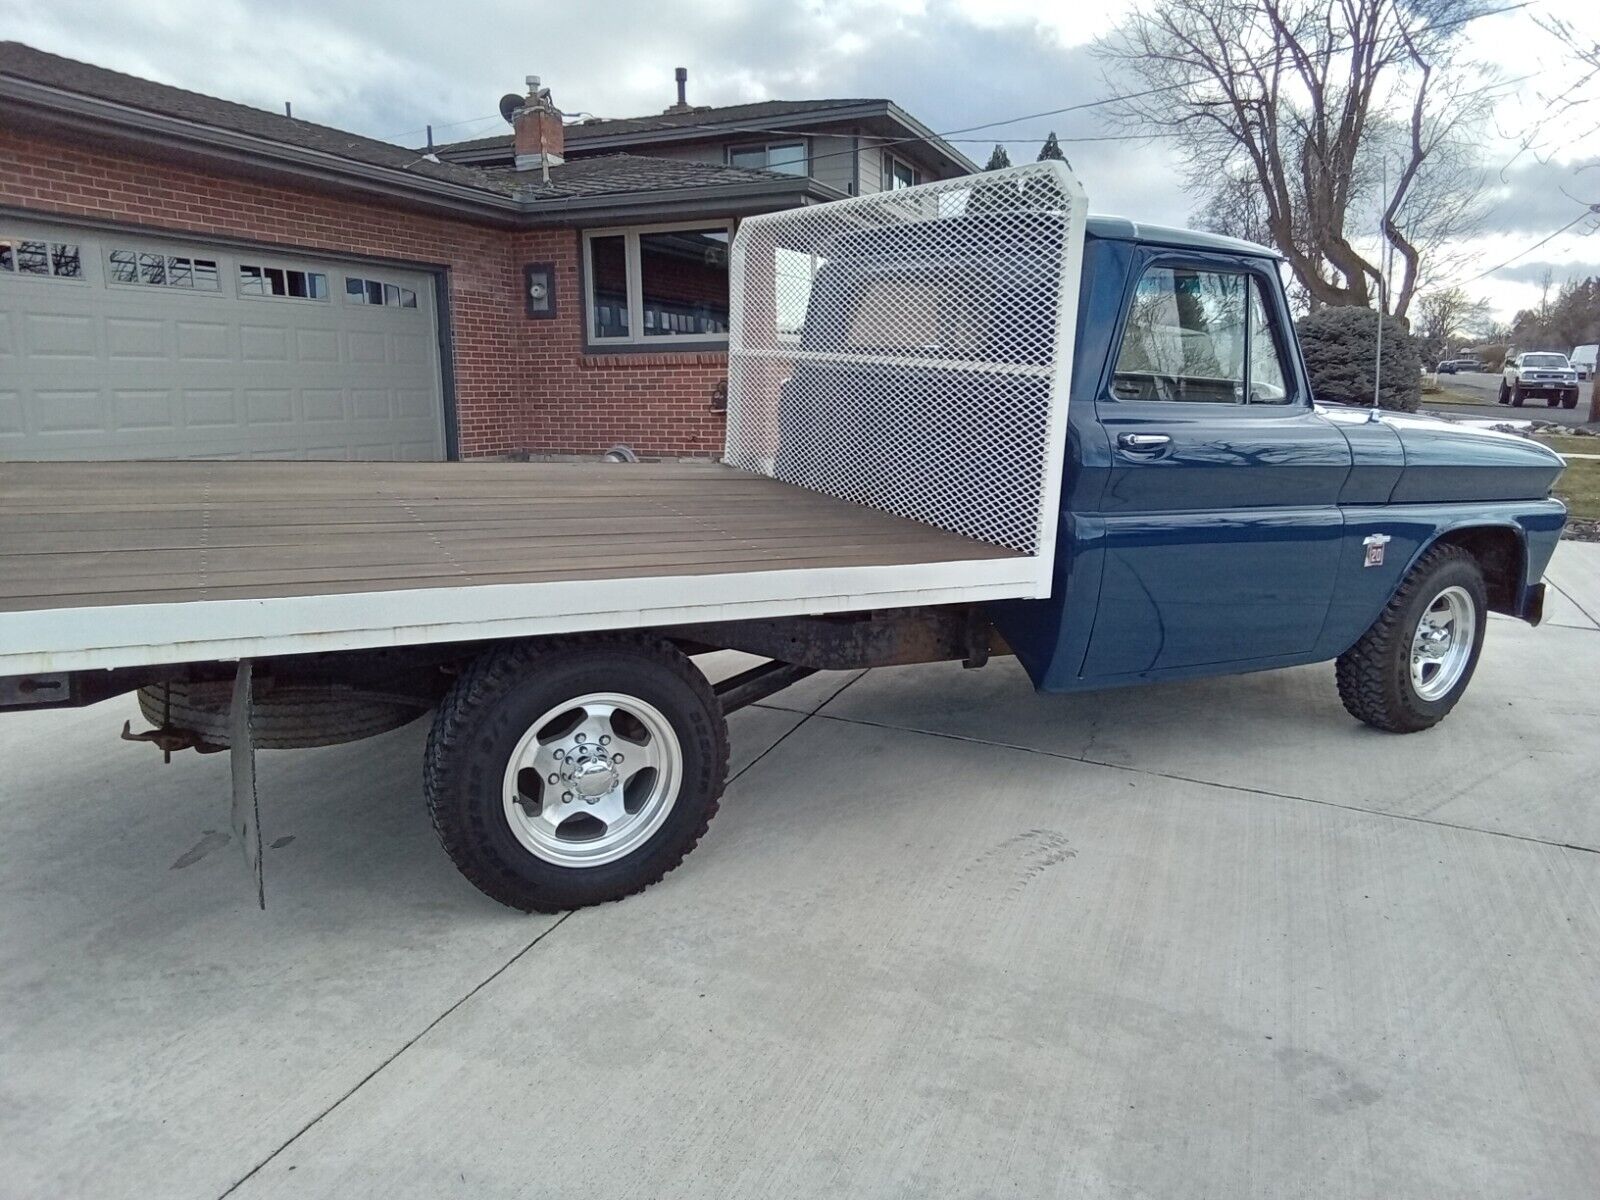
column 1449, row 396
column 1579, row 484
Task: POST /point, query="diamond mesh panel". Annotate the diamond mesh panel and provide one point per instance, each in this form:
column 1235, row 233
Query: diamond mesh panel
column 910, row 350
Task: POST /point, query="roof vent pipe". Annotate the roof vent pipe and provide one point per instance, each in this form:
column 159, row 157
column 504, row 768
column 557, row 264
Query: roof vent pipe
column 681, row 74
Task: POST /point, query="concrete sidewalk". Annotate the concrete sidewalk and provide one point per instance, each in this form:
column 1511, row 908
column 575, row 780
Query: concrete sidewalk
column 947, row 938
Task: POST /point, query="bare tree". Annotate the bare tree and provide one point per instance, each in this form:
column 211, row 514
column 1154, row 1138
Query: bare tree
column 1568, row 111
column 1236, row 207
column 1335, row 111
column 1446, row 315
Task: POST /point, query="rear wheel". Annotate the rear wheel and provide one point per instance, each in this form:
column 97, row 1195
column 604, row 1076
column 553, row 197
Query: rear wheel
column 1504, row 395
column 573, row 772
column 1409, row 669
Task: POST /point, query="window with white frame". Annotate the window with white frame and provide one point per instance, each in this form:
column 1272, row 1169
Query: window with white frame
column 150, row 268
column 657, row 284
column 786, row 158
column 376, row 291
column 61, row 260
column 279, row 281
column 897, row 173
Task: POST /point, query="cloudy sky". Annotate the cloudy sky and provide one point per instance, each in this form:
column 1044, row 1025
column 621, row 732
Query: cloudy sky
column 388, row 69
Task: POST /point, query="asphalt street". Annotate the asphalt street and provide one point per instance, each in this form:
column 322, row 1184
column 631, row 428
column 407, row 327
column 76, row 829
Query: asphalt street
column 1483, row 388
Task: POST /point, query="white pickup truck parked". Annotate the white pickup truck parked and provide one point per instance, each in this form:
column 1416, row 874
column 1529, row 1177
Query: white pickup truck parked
column 1539, row 374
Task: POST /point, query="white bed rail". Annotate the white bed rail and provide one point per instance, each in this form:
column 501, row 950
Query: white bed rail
column 911, row 351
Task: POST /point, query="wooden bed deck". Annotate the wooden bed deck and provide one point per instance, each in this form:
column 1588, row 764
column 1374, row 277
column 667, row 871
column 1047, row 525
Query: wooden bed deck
column 202, row 558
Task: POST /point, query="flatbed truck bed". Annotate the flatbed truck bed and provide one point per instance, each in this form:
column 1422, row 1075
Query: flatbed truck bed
column 124, row 564
column 895, row 445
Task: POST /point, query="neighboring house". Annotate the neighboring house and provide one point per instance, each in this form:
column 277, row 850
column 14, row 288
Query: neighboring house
column 184, row 276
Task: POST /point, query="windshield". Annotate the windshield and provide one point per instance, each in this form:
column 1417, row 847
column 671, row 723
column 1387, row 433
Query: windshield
column 1544, row 360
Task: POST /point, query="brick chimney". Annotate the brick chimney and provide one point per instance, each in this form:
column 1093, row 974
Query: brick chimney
column 540, row 140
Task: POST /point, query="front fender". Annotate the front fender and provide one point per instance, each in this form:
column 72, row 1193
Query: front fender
column 1362, row 591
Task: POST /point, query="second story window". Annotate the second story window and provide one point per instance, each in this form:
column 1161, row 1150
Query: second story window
column 898, row 173
column 655, row 284
column 786, row 158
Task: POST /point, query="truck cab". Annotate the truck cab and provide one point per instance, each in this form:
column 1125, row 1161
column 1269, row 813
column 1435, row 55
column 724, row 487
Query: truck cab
column 1215, row 518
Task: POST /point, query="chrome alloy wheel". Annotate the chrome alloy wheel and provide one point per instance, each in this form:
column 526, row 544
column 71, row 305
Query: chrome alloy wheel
column 593, row 779
column 1441, row 647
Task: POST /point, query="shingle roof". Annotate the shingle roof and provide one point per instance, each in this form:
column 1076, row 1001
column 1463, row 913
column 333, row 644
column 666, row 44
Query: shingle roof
column 618, row 174
column 52, row 70
column 754, row 114
column 614, row 174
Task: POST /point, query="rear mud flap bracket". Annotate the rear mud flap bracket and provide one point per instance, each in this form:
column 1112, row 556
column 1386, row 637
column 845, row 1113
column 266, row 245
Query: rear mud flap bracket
column 246, row 811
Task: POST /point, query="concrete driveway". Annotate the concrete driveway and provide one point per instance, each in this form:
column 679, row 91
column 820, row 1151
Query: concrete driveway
column 947, row 938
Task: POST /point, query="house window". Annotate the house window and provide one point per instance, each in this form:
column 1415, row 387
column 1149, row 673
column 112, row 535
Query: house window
column 148, row 269
column 898, row 174
column 59, row 259
column 786, row 158
column 278, row 281
column 657, row 284
column 375, row 291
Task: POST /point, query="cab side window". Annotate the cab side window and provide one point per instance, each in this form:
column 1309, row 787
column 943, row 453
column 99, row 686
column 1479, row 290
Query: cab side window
column 1199, row 336
column 1269, row 382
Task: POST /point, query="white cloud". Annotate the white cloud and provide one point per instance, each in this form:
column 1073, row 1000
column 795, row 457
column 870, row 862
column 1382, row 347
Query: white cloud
column 389, row 69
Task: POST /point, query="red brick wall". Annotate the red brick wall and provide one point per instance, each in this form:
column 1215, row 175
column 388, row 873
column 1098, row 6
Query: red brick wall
column 578, row 403
column 521, row 384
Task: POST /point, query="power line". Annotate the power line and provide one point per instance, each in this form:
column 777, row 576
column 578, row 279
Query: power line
column 1590, row 211
column 949, row 134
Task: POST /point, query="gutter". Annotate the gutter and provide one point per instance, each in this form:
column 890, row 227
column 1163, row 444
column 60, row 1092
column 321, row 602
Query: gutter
column 931, row 138
column 694, row 133
column 727, row 199
column 94, row 115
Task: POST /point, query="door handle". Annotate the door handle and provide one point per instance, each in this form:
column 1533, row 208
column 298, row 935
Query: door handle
column 1143, row 443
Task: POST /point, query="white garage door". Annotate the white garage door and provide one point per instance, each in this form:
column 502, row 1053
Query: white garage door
column 116, row 345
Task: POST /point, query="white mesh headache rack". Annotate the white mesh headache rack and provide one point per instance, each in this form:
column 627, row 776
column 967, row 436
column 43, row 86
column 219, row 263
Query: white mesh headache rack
column 911, row 351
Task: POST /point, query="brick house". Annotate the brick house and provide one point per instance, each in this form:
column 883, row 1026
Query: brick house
column 185, row 276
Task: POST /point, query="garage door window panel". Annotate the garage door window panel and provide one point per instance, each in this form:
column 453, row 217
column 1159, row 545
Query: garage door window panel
column 141, row 268
column 375, row 291
column 58, row 260
column 282, row 283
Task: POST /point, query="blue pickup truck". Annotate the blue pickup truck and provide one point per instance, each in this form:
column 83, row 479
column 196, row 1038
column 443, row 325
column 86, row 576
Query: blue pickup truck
column 964, row 421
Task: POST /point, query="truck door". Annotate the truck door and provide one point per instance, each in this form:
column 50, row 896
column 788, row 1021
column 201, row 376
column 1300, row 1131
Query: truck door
column 1222, row 531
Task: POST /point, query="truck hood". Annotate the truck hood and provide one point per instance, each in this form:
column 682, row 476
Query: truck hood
column 1445, row 461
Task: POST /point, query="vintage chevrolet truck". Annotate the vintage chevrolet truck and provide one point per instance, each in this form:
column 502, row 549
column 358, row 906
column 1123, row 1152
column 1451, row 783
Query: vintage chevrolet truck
column 964, row 420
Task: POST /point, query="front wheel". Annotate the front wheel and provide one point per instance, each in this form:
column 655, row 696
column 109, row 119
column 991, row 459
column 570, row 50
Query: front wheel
column 1409, row 669
column 576, row 771
column 1570, row 401
column 1516, row 397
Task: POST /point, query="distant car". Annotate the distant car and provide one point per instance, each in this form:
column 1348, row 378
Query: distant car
column 1583, row 360
column 1453, row 366
column 1539, row 374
